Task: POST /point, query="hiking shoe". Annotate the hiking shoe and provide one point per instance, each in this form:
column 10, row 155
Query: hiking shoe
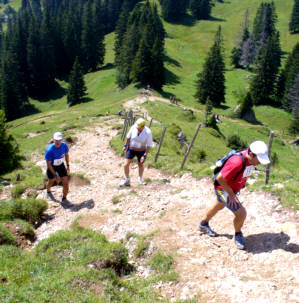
column 205, row 228
column 125, row 182
column 63, row 200
column 239, row 240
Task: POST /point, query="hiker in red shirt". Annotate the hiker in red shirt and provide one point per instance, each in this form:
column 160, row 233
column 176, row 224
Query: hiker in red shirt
column 228, row 183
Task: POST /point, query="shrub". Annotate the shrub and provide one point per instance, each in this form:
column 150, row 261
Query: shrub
column 9, row 150
column 30, row 209
column 6, row 237
column 174, row 129
column 235, row 142
column 17, row 190
column 5, row 211
column 161, row 262
column 141, row 248
column 201, row 155
column 274, row 159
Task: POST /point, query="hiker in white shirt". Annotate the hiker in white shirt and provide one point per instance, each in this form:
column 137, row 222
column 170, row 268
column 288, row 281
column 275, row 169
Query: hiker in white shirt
column 138, row 143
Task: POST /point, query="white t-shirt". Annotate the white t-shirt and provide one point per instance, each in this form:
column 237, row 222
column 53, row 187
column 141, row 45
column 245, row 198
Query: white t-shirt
column 142, row 140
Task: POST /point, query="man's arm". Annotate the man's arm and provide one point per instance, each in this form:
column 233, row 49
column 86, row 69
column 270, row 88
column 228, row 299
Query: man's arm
column 67, row 159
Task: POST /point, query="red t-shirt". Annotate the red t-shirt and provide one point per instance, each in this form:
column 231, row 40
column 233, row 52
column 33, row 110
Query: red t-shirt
column 232, row 167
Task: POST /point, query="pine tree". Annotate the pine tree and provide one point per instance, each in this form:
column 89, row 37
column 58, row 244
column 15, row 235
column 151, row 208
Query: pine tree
column 172, row 10
column 287, row 76
column 211, row 81
column 294, row 22
column 200, row 9
column 293, row 101
column 99, row 33
column 243, row 36
column 88, row 57
column 120, row 31
column 76, row 90
column 263, row 83
column 141, row 65
column 9, row 151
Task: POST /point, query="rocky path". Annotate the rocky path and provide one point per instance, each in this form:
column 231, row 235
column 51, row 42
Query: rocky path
column 210, row 268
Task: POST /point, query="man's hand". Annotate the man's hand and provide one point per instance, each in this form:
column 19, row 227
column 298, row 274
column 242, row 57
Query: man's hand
column 233, row 201
column 142, row 159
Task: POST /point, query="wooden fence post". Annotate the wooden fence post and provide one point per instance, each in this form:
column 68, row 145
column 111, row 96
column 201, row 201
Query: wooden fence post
column 125, row 126
column 269, row 154
column 160, row 144
column 150, row 123
column 190, row 146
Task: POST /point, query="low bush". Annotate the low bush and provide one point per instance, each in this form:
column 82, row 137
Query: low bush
column 6, row 237
column 29, row 209
column 161, row 262
column 235, row 142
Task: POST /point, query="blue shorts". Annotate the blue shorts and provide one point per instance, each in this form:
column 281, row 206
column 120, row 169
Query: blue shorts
column 223, row 197
column 130, row 154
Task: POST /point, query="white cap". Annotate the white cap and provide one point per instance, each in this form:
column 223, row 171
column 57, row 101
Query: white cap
column 57, row 136
column 140, row 122
column 261, row 150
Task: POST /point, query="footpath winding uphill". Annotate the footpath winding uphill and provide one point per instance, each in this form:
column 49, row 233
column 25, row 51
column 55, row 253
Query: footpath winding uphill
column 170, row 207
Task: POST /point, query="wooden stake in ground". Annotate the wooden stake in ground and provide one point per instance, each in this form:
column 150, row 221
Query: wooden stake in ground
column 190, row 146
column 126, row 122
column 269, row 151
column 160, row 144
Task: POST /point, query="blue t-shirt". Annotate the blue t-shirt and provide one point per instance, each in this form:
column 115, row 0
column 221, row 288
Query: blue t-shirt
column 56, row 155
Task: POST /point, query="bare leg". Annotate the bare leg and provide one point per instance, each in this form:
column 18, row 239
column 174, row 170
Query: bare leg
column 127, row 168
column 50, row 184
column 65, row 183
column 212, row 210
column 240, row 216
column 140, row 169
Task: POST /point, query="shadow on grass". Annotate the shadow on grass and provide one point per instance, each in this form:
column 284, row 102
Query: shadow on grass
column 186, row 20
column 172, row 61
column 57, row 93
column 29, row 109
column 171, row 78
column 267, row 242
column 216, row 19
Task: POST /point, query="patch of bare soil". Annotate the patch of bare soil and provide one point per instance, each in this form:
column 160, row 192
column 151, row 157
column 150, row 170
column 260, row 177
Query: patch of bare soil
column 173, row 206
column 23, row 240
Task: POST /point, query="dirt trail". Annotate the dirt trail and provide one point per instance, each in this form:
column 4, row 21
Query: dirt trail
column 209, row 267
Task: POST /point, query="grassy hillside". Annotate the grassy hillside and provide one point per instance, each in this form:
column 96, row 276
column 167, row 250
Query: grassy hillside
column 187, row 44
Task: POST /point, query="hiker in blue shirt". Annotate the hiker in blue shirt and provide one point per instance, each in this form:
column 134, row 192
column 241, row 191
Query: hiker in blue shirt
column 55, row 155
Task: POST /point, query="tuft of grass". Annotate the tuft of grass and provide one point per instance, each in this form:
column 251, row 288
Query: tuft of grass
column 161, row 262
column 141, row 248
column 6, row 236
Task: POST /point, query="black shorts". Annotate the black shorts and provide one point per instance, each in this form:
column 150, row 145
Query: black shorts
column 60, row 170
column 130, row 154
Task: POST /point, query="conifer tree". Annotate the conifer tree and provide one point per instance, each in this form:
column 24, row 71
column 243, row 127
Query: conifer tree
column 88, row 56
column 172, row 10
column 287, row 76
column 9, row 150
column 120, row 31
column 293, row 101
column 201, row 9
column 211, row 81
column 263, row 83
column 76, row 90
column 99, row 32
column 243, row 36
column 294, row 22
column 11, row 100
